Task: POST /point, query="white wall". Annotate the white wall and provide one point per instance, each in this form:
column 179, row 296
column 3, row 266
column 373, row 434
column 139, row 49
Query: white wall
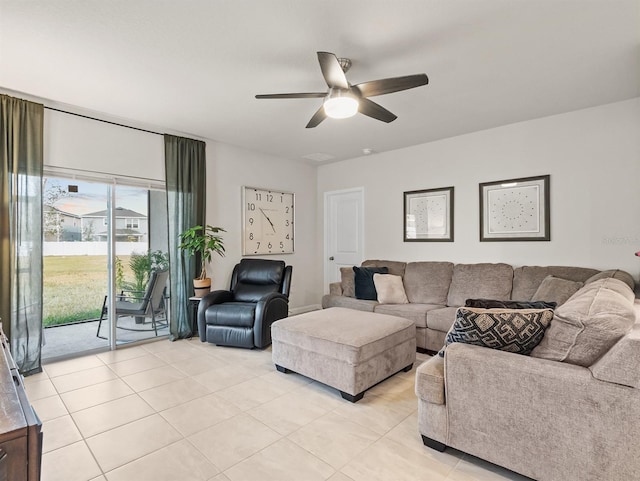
column 228, row 169
column 592, row 155
column 82, row 144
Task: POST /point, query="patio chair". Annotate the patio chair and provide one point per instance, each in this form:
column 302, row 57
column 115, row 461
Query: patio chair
column 151, row 304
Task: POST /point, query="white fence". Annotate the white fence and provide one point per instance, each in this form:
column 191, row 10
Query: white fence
column 91, row 248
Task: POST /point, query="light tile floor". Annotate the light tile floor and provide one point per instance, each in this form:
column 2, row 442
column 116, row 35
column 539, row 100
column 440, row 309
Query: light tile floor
column 188, row 411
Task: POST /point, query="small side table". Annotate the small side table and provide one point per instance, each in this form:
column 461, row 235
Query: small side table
column 194, row 302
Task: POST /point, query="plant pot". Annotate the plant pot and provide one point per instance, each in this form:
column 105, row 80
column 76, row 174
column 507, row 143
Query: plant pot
column 202, row 286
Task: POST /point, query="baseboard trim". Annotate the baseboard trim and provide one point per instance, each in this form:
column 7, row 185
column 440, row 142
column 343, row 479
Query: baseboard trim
column 301, row 310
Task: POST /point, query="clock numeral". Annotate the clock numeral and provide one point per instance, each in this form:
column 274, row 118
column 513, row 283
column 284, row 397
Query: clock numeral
column 286, row 223
column 251, row 206
column 269, row 197
column 258, row 196
column 251, row 220
column 258, row 246
column 250, row 235
column 281, row 245
column 287, row 236
column 269, row 245
column 287, row 209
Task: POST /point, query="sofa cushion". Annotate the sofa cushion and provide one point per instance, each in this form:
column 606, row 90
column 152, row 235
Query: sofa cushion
column 555, row 289
column 430, row 381
column 390, row 289
column 416, row 312
column 348, row 281
column 348, row 302
column 497, row 304
column 589, row 324
column 428, row 282
column 365, row 288
column 616, row 274
column 441, row 319
column 396, row 268
column 527, row 279
column 512, row 330
column 492, row 281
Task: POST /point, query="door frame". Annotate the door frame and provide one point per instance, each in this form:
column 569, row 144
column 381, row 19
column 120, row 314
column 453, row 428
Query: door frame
column 325, row 258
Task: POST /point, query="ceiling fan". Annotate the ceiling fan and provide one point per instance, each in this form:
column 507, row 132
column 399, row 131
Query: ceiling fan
column 344, row 100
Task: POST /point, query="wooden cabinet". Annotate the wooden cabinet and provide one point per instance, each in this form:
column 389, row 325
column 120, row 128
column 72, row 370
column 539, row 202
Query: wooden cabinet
column 20, row 428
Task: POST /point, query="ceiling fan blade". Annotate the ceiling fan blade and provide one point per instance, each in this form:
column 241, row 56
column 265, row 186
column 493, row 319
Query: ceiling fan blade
column 372, row 109
column 332, row 71
column 389, row 85
column 308, row 95
column 318, row 117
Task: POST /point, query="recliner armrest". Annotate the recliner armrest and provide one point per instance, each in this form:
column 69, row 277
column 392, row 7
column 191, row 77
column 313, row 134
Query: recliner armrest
column 268, row 310
column 213, row 297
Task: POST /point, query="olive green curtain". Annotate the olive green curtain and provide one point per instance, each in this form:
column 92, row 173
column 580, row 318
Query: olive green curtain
column 21, row 152
column 185, row 169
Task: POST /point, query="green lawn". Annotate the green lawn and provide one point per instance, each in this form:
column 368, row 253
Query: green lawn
column 74, row 287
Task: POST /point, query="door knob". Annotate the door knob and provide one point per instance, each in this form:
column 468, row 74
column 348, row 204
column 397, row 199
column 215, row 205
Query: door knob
column 331, row 258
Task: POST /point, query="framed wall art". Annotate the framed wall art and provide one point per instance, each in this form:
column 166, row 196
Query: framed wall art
column 515, row 210
column 428, row 215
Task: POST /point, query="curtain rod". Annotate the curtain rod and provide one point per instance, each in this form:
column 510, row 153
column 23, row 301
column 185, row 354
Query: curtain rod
column 102, row 120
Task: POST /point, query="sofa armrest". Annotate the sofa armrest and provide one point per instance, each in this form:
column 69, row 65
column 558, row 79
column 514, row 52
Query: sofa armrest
column 499, row 403
column 430, row 380
column 335, row 289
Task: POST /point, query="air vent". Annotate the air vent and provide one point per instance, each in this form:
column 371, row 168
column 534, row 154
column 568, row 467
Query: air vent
column 319, row 157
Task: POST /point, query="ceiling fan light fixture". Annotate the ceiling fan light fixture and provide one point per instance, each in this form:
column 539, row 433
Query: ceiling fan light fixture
column 340, row 105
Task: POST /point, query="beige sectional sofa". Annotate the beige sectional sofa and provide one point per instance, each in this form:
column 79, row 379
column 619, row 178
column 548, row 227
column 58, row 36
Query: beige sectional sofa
column 568, row 412
column 436, row 289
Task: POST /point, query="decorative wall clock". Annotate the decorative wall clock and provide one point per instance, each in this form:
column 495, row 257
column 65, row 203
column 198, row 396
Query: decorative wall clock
column 267, row 221
column 515, row 210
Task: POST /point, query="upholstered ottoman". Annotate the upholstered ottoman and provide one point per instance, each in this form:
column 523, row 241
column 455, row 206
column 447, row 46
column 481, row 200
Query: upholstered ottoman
column 347, row 349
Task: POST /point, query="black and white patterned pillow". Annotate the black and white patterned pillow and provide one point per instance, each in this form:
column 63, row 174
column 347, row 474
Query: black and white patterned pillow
column 512, row 330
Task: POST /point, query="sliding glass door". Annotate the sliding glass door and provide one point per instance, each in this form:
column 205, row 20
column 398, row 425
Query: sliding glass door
column 102, row 243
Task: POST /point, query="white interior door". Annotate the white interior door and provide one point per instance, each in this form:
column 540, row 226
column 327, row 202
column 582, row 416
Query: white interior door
column 344, row 231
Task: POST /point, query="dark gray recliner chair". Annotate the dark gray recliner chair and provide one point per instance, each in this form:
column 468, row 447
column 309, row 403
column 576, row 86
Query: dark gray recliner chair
column 242, row 316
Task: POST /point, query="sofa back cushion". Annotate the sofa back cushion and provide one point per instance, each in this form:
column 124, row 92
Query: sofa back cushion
column 586, row 326
column 428, row 282
column 491, row 281
column 396, row 268
column 616, row 274
column 556, row 289
column 527, row 279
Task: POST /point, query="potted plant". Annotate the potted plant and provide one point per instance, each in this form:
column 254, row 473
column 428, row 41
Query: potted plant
column 202, row 240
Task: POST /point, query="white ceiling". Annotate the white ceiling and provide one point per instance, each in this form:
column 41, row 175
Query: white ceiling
column 194, row 66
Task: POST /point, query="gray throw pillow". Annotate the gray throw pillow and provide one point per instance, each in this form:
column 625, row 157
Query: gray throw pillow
column 348, row 282
column 512, row 330
column 555, row 289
